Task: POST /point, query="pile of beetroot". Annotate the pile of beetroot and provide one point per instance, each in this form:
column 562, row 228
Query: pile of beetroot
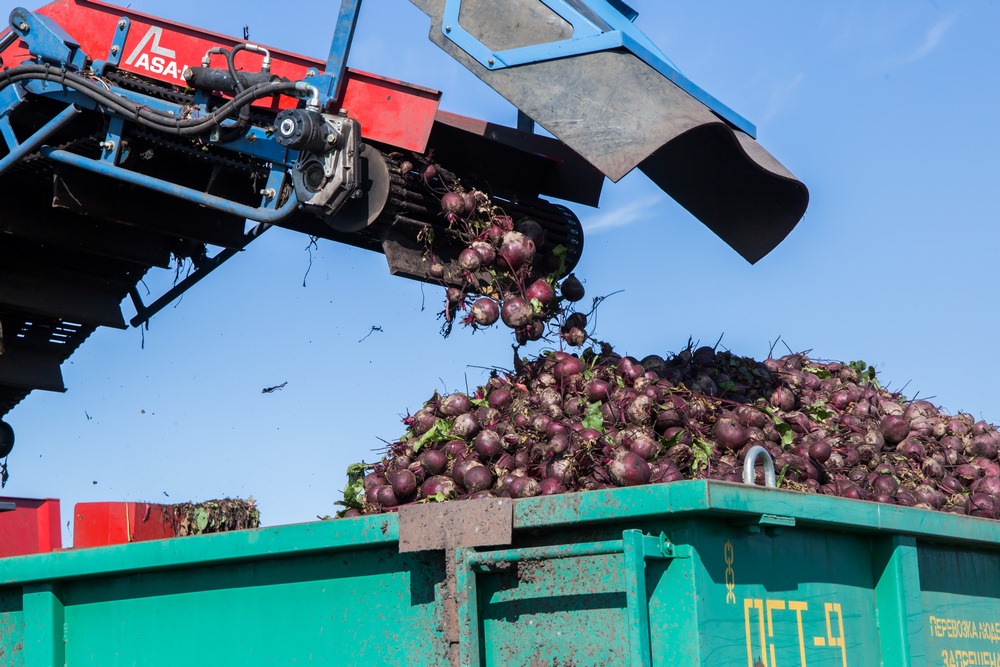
column 561, row 423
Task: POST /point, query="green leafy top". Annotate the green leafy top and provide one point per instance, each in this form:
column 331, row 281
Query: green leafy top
column 821, row 373
column 354, row 492
column 559, row 252
column 783, row 429
column 440, row 432
column 818, row 411
column 702, row 452
column 866, row 373
column 593, row 417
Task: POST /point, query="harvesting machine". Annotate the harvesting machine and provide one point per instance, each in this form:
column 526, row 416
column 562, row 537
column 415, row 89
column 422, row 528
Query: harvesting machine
column 129, row 142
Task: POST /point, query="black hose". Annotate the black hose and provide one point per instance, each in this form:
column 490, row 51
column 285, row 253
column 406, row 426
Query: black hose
column 145, row 116
column 243, row 121
column 230, row 59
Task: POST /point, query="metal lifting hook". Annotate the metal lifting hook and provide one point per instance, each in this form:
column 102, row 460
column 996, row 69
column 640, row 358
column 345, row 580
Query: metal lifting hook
column 751, row 461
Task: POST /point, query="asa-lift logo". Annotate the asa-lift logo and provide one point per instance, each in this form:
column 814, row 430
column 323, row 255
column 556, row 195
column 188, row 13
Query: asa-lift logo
column 159, row 59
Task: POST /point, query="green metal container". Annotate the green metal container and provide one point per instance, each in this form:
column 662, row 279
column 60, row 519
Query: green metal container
column 689, row 573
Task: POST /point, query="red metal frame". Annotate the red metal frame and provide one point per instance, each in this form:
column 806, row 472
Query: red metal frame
column 32, row 528
column 101, row 524
column 390, row 112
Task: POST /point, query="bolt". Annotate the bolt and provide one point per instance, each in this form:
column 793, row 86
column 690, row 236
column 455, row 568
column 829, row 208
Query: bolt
column 447, row 28
column 331, row 138
column 268, row 193
column 251, row 138
column 114, row 50
column 121, row 24
column 491, row 61
column 287, row 127
column 357, row 194
column 22, row 26
column 107, row 145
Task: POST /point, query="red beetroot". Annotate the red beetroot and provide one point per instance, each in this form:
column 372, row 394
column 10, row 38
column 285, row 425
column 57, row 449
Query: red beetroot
column 438, row 484
column 572, row 288
column 488, row 444
column 540, row 290
column 478, row 478
column 895, row 428
column 551, row 486
column 404, row 484
column 485, row 312
column 730, row 434
column 567, row 367
column 500, row 398
column 454, row 405
column 628, row 469
column 516, row 312
column 486, row 252
column 524, row 487
column 451, row 202
column 469, row 260
column 434, row 461
column 532, row 230
column 517, row 250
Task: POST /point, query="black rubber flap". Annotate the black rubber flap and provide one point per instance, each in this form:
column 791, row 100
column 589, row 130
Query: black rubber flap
column 730, row 183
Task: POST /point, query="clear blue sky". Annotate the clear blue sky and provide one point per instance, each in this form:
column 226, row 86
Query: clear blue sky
column 886, row 110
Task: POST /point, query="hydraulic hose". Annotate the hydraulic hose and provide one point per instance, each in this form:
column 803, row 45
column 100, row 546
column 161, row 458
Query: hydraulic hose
column 151, row 118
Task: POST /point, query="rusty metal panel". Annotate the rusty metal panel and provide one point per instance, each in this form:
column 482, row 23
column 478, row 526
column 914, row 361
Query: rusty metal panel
column 474, row 523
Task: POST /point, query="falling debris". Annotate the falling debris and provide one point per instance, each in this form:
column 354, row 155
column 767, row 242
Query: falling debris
column 271, row 390
column 373, row 330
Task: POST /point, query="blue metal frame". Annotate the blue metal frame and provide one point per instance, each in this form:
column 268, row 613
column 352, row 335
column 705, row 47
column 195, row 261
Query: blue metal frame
column 331, row 82
column 19, row 150
column 117, row 46
column 601, row 26
column 257, row 214
column 48, row 41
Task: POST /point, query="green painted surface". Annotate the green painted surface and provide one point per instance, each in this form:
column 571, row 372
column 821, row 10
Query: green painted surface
column 564, row 611
column 895, row 562
column 11, row 627
column 850, row 583
column 361, row 608
column 800, row 597
column 960, row 606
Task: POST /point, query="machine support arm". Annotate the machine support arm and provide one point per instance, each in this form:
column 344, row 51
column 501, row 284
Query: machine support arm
column 340, row 47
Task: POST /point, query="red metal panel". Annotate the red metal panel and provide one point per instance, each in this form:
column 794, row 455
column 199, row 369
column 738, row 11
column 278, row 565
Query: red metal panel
column 31, row 528
column 101, row 524
column 391, row 112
